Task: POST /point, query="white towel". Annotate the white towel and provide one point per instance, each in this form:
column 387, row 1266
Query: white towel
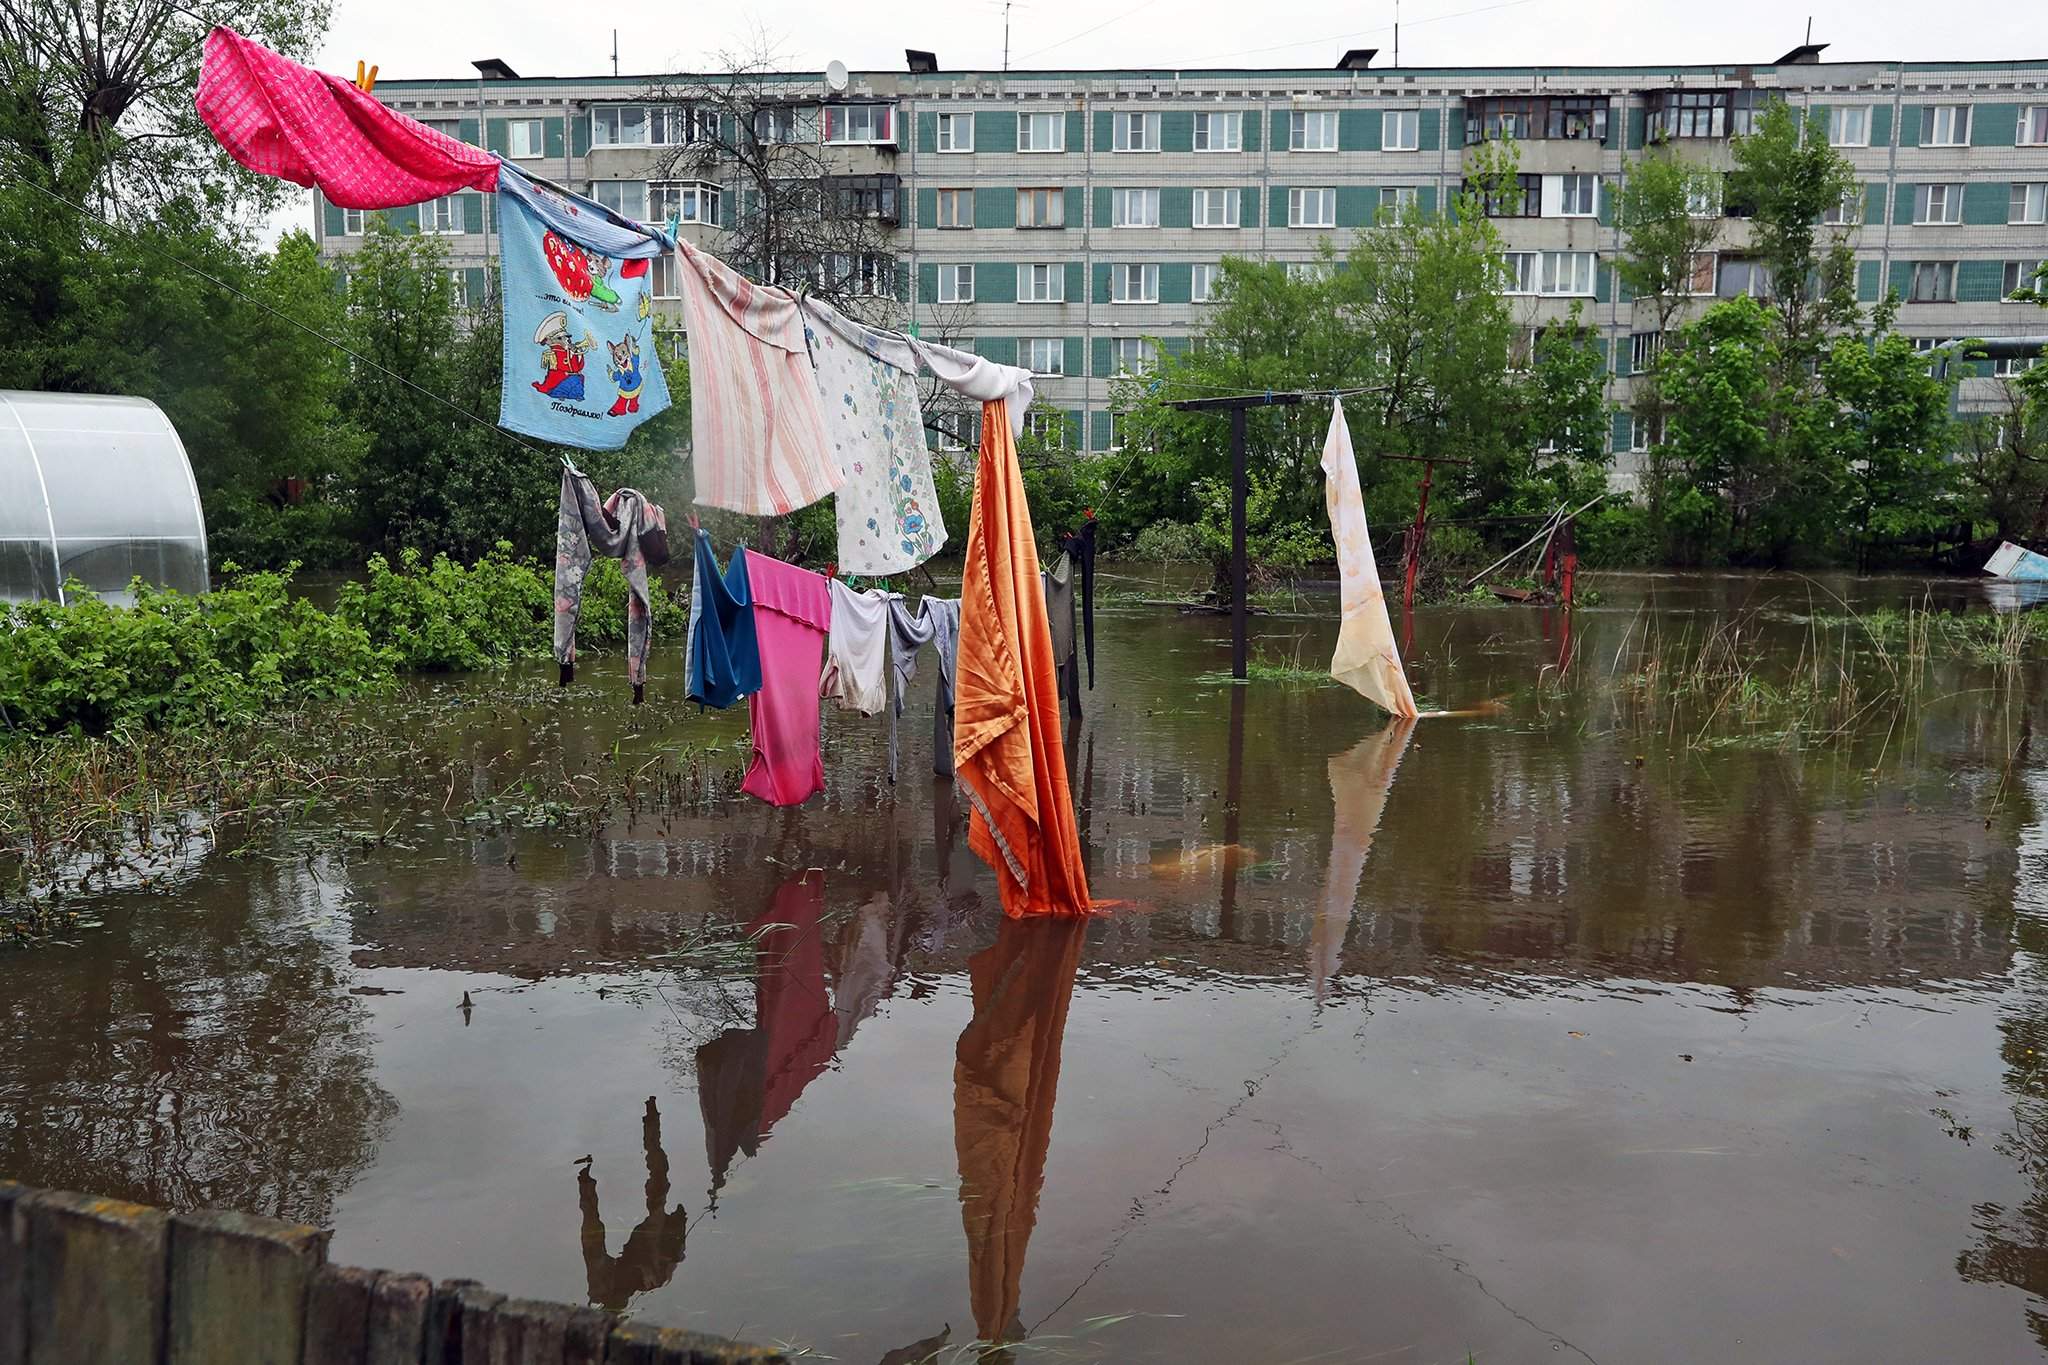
column 1366, row 659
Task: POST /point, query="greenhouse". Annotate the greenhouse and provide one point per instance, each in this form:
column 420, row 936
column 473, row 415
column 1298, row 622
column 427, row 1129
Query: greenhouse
column 98, row 490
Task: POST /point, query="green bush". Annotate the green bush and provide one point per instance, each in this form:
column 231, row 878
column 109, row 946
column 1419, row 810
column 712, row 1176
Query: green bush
column 445, row 616
column 175, row 660
column 1169, row 542
column 1616, row 535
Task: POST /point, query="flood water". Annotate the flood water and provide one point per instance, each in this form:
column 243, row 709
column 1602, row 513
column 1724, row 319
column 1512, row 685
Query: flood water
column 1527, row 1034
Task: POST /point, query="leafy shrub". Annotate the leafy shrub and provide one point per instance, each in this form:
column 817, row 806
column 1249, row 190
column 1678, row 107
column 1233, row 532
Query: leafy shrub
column 176, row 660
column 1616, row 535
column 445, row 616
column 1169, row 542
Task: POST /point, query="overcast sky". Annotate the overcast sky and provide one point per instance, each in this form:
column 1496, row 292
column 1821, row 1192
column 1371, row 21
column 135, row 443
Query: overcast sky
column 409, row 39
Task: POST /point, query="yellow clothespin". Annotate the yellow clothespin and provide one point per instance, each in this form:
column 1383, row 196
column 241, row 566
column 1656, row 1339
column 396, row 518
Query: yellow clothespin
column 366, row 77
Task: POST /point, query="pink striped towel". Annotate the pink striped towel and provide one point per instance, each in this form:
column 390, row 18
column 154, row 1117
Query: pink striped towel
column 757, row 433
column 279, row 118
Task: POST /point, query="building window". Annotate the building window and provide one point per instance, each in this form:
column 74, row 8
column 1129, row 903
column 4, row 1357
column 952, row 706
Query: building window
column 1705, row 113
column 458, row 288
column 525, row 138
column 1203, row 281
column 352, row 222
column 1937, row 203
column 1578, row 196
column 1645, row 432
column 1568, row 272
column 1846, row 212
column 868, row 274
column 1045, row 355
column 1577, row 118
column 2033, row 129
column 1041, row 132
column 860, row 123
column 686, row 201
column 1042, row 208
column 1400, row 130
column 1312, row 208
column 443, row 216
column 650, row 125
column 1520, row 271
column 1312, row 130
column 1135, row 132
column 1523, row 199
column 1700, row 278
column 863, row 196
column 952, row 425
column 1404, row 200
column 1309, row 272
column 2011, row 366
column 1945, row 125
column 1739, row 276
column 2020, row 275
column 664, row 282
column 1041, row 282
column 1216, row 208
column 1491, row 120
column 1133, row 283
column 2029, row 204
column 1049, row 427
column 783, row 126
column 956, row 132
column 956, row 208
column 1849, row 125
column 627, row 198
column 1134, row 208
column 1642, row 351
column 1933, row 282
column 1132, row 355
column 1219, row 131
column 956, row 284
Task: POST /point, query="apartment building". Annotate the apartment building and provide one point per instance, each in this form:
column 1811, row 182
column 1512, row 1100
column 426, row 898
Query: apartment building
column 1071, row 220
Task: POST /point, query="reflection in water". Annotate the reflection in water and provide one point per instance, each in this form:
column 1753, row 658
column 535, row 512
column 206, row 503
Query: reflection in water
column 1360, row 779
column 653, row 1249
column 1006, row 1071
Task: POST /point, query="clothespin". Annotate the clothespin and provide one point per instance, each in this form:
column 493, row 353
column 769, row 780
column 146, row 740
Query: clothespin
column 366, row 78
column 1088, row 513
column 694, row 525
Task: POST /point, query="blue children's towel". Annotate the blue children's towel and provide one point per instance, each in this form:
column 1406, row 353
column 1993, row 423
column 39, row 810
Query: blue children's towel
column 724, row 658
column 580, row 367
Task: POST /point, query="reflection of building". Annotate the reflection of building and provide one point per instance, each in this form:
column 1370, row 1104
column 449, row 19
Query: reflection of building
column 653, row 1249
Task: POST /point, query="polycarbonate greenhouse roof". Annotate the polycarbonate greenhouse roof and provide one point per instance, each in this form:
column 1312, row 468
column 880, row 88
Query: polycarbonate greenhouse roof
column 96, row 489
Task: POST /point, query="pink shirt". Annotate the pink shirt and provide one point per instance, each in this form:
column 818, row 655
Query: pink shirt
column 792, row 613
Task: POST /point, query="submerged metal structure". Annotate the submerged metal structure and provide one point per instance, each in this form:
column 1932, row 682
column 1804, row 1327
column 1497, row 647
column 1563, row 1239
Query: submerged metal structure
column 97, row 490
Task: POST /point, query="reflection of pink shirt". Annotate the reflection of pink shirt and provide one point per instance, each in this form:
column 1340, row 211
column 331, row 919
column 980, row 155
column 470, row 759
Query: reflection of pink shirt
column 792, row 612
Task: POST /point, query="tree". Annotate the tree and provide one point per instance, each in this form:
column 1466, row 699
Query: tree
column 1892, row 434
column 793, row 209
column 1791, row 180
column 96, row 100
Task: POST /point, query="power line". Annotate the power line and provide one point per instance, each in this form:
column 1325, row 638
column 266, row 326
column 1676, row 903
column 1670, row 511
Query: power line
column 1358, row 33
column 1145, row 4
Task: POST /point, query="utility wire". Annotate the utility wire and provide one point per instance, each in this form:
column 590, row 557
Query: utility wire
column 1361, row 33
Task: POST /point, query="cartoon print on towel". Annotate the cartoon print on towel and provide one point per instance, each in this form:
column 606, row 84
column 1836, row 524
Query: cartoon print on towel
column 577, row 293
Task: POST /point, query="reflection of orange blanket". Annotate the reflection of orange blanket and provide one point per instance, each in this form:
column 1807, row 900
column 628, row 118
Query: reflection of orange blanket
column 1005, row 1077
column 1006, row 724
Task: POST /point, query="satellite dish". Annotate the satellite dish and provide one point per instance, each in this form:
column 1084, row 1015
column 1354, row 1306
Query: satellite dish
column 835, row 76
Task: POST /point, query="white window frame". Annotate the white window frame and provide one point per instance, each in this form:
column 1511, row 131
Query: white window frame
column 1203, row 277
column 1050, row 427
column 1951, row 198
column 1643, row 348
column 957, row 200
column 1640, row 432
column 1123, row 273
column 1707, row 263
column 661, row 125
column 1847, row 212
column 1135, row 346
column 458, row 288
column 448, row 205
column 948, row 135
column 1551, row 286
column 1565, row 184
column 1298, row 204
column 951, row 277
column 1523, row 269
column 1055, row 215
column 1123, row 199
column 845, row 134
column 354, row 222
column 1300, row 121
column 2030, row 115
column 694, row 201
column 1840, row 134
column 663, row 282
column 1401, row 199
column 2033, row 197
column 1232, row 208
column 622, row 208
column 535, row 140
column 1309, row 271
column 1913, row 281
column 1210, row 122
column 2011, row 366
column 1134, row 132
column 1053, row 273
column 951, row 425
column 1959, row 125
column 1034, row 350
column 2027, row 271
column 862, row 274
column 1028, row 120
column 1410, row 120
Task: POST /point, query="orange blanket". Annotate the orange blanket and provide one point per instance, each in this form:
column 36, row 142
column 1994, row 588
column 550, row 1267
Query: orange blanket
column 1006, row 712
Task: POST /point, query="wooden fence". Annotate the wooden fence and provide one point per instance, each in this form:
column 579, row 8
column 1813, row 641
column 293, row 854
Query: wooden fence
column 86, row 1281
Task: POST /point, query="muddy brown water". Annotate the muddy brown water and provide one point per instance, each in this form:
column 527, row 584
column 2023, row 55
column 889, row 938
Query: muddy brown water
column 1522, row 1035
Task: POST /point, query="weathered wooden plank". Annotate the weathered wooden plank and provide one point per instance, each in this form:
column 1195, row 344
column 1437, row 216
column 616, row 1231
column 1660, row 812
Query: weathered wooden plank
column 338, row 1316
column 95, row 1280
column 13, row 1273
column 398, row 1319
column 237, row 1288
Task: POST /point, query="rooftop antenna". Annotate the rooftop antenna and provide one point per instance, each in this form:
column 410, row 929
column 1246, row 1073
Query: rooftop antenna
column 1809, row 30
column 1397, row 33
column 615, row 52
column 1006, row 35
